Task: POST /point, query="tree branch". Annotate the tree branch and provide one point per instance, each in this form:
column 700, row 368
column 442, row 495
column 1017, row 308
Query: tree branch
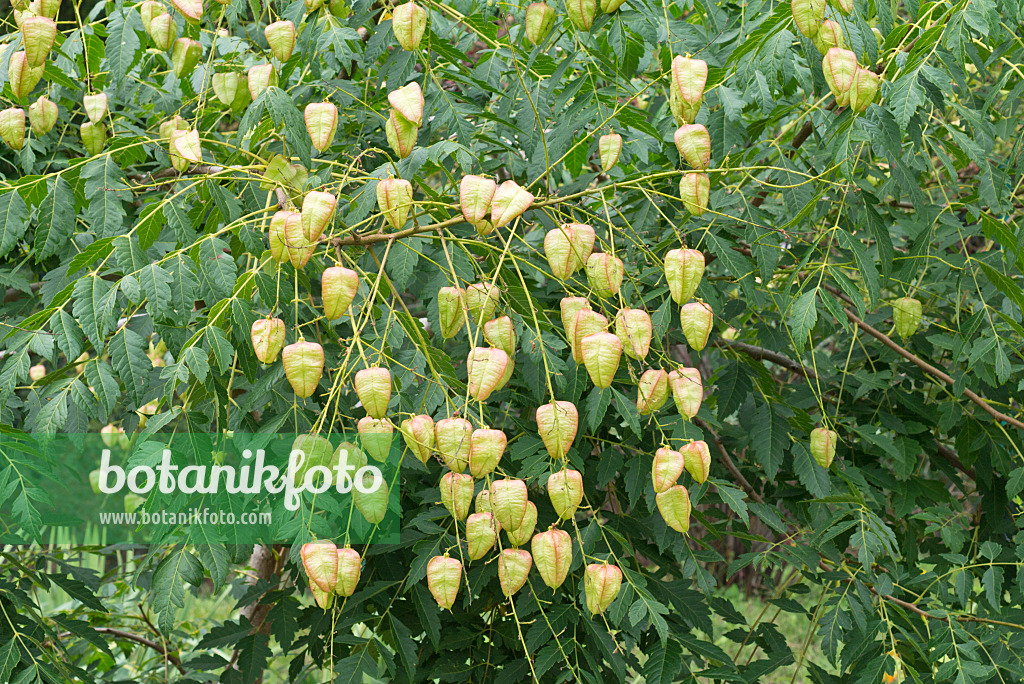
column 128, row 636
column 727, row 461
column 762, row 354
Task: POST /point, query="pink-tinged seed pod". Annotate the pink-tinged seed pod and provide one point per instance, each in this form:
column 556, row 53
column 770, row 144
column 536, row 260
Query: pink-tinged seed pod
column 488, row 370
column 565, row 489
column 609, row 148
column 698, row 460
column 668, row 466
column 587, row 322
column 175, row 123
column 163, row 30
column 635, row 330
column 486, row 450
column 37, row 35
column 500, row 333
column 830, row 35
column 37, row 372
column 298, row 248
column 864, row 89
column 373, row 387
column 601, row 355
column 694, row 145
column 110, row 433
column 320, row 559
column 687, row 391
column 419, row 436
column 350, row 567
column 338, row 287
column 508, row 502
column 376, row 436
column 807, row 15
column 409, row 22
column 148, row 10
column 674, row 506
column 408, row 102
column 823, row 446
column 451, row 310
column 185, row 55
column 457, row 494
column 689, row 76
column 94, row 137
column 694, row 190
column 482, row 301
column 191, row 10
column 509, row 202
column 179, row 163
column 513, row 569
column 42, row 115
column 581, row 13
column 401, row 134
column 453, row 438
column 267, row 339
column 303, row 366
column 317, row 212
column 583, row 238
column 481, row 533
column 22, row 76
column 278, row 223
column 540, row 18
column 839, row 66
column 906, row 316
column 601, row 584
column 323, row 599
column 281, row 37
column 394, row 199
column 651, row 391
column 475, row 195
column 570, row 306
column 558, row 249
column 372, row 505
column 604, row 273
column 260, row 77
column 95, row 106
column 696, row 320
column 483, row 503
column 321, row 123
column 520, row 535
column 552, row 554
column 187, row 146
column 684, row 269
column 557, row 423
column 444, row 575
column 12, row 127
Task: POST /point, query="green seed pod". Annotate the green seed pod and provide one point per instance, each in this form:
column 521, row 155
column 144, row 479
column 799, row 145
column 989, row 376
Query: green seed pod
column 186, row 145
column 347, row 454
column 668, row 466
column 540, row 18
column 651, row 391
column 475, row 195
column 37, row 35
column 483, row 503
column 581, row 13
column 408, row 102
column 444, row 575
column 185, row 55
column 684, row 269
column 488, row 370
column 823, row 446
column 845, row 6
column 552, row 554
column 558, row 250
column 509, row 202
column 321, row 123
column 482, row 301
column 508, row 502
column 604, row 273
column 409, row 22
column 609, row 146
column 586, row 323
column 281, row 37
column 12, row 127
column 698, row 460
column 694, row 145
column 350, row 567
column 839, row 66
column 601, row 584
column 261, row 77
column 401, row 134
column 372, row 505
column 394, row 199
column 601, row 355
column 313, row 5
column 694, row 189
column 635, row 330
column 278, row 224
column 42, row 114
column 687, row 391
column 179, row 163
column 373, row 387
column 557, row 423
column 683, row 112
column 451, row 310
column 689, row 76
column 316, row 451
column 320, row 560
column 864, row 89
column 94, row 137
column 176, row 123
column 481, row 533
column 808, row 14
column 95, row 106
column 303, row 366
column 906, row 314
column 674, row 506
column 453, row 438
column 163, row 30
column 521, row 534
column 338, row 287
column 317, row 212
column 500, row 333
column 323, row 599
column 457, row 494
column 148, row 10
column 418, row 433
column 267, row 336
column 609, row 6
column 192, row 10
column 376, row 436
column 513, row 569
column 22, row 76
column 582, row 238
column 696, row 320
column 830, row 35
column 570, row 306
column 485, row 451
column 565, row 489
column 298, row 248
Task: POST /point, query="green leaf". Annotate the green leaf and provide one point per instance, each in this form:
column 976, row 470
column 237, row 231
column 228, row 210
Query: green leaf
column 734, row 499
column 156, row 286
column 167, row 592
column 627, row 409
column 67, row 334
column 812, row 476
column 106, row 191
column 93, row 308
column 13, row 220
column 768, row 438
column 802, row 317
column 402, row 260
column 56, row 220
column 122, row 43
column 128, row 355
column 216, row 270
column 10, row 656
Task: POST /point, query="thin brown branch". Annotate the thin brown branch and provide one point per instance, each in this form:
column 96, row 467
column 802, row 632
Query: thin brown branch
column 144, row 641
column 762, row 354
column 728, row 462
column 945, row 618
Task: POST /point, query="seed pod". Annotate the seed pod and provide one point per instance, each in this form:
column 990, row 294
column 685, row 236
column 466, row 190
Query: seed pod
column 278, row 223
column 281, row 37
column 694, row 145
column 513, row 569
column 557, row 423
column 38, row 372
column 689, row 76
column 323, row 599
column 581, row 13
column 350, row 567
column 509, row 202
column 601, row 584
column 109, row 434
column 401, row 134
column 451, row 314
column 839, row 66
column 609, row 146
column 95, row 106
column 582, row 237
column 694, row 189
column 696, row 320
column 488, row 370
column 185, row 55
column 864, row 89
column 481, row 533
column 315, row 451
column 830, row 35
column 320, row 559
column 313, row 5
column 373, row 387
column 94, row 137
column 485, row 451
column 298, row 248
column 565, row 489
column 409, row 21
column 303, row 366
column 540, row 18
column 552, row 553
column 267, row 339
column 508, row 502
column 338, row 286
column 668, row 466
column 808, row 14
column 674, row 506
column 148, row 10
column 42, row 114
column 175, row 123
column 906, row 314
column 687, row 391
column 475, row 195
column 586, row 323
column 634, row 329
column 604, row 272
column 601, row 355
column 187, row 146
column 191, row 10
column 408, row 101
column 823, row 446
column 317, row 212
column 521, row 534
column 418, row 433
column 845, row 6
column 483, row 503
column 372, row 505
column 376, row 436
column 179, row 163
column 454, row 439
column 698, row 460
column 22, row 75
column 347, row 455
column 457, row 494
column 163, row 30
column 12, row 127
column 261, row 77
column 570, row 306
column 394, row 199
column 500, row 333
column 684, row 269
column 444, row 575
column 609, row 6
column 321, row 123
column 558, row 250
column 37, row 35
column 482, row 301
column 651, row 391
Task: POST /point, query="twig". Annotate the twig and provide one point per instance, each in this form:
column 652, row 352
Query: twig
column 128, row 636
column 762, row 354
column 727, row 460
column 945, row 618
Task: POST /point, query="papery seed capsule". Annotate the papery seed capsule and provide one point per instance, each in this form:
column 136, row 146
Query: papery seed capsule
column 148, row 10
column 350, row 567
column 635, row 330
column 668, row 466
column 261, row 77
column 601, row 355
column 487, row 371
column 12, row 127
column 674, row 506
column 500, row 333
column 558, row 250
column 582, row 237
column 696, row 320
column 457, row 494
column 267, row 339
column 482, row 301
column 483, row 503
column 651, row 391
column 609, row 6
column 373, row 386
column 303, row 366
column 163, row 30
column 321, row 123
column 552, row 554
column 694, row 145
column 185, row 55
column 485, row 451
column 175, row 123
column 323, row 599
column 540, row 18
column 418, row 433
column 475, row 195
column 694, row 189
column 845, row 6
column 22, row 76
column 394, row 199
column 376, row 436
column 684, row 269
column 689, row 76
column 186, row 145
column 521, row 534
column 317, row 212
column 906, row 315
column 191, row 10
column 604, row 272
column 830, row 35
column 508, row 502
column 509, row 202
column 338, row 287
column 581, row 13
column 698, row 460
column 864, row 89
column 109, row 434
column 320, row 560
column 401, row 134
column 601, row 584
column 570, row 306
column 47, row 8
column 281, row 37
column 409, row 22
column 311, row 450
column 37, row 35
column 313, row 5
column 609, row 146
column 451, row 310
column 298, row 247
column 557, row 423
column 823, row 446
column 687, row 391
column 808, row 14
column 372, row 504
column 444, row 575
column 453, row 438
column 95, row 106
column 278, row 223
column 481, row 533
column 586, row 323
column 37, row 372
column 839, row 66
column 94, row 137
column 513, row 569
column 179, row 163
column 42, row 115
column 565, row 489
column 408, row 102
